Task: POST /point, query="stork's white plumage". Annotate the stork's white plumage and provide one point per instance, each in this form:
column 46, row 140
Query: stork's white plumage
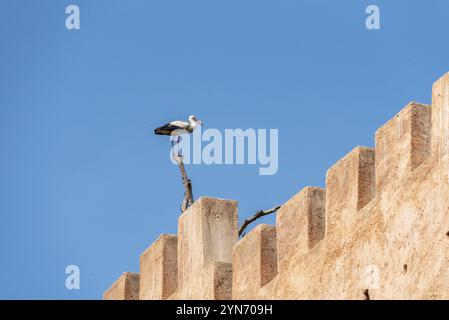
column 178, row 127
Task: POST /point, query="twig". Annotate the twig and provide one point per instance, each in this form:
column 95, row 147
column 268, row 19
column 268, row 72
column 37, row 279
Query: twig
column 188, row 194
column 258, row 215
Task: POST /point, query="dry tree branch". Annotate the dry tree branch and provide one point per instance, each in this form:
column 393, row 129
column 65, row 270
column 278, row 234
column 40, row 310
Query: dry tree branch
column 258, row 215
column 188, row 194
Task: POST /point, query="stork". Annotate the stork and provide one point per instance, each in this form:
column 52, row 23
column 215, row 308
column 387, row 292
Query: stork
column 177, row 128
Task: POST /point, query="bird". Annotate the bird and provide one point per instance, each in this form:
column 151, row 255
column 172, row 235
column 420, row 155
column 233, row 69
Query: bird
column 177, row 128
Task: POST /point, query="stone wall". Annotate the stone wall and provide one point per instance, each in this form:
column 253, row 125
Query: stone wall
column 380, row 229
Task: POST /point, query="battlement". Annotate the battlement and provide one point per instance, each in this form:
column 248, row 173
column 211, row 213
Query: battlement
column 379, row 228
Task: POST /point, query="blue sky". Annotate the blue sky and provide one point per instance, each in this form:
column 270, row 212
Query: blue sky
column 83, row 179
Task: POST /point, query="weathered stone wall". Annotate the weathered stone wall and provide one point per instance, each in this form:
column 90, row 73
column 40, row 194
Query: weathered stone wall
column 380, row 229
column 125, row 288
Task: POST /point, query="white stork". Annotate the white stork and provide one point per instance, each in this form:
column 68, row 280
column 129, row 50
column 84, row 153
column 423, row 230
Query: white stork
column 178, row 128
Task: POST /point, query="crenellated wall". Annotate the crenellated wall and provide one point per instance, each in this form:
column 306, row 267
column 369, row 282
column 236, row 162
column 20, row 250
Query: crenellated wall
column 380, row 229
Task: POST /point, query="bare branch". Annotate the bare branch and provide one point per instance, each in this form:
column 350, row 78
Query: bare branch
column 188, row 194
column 258, row 215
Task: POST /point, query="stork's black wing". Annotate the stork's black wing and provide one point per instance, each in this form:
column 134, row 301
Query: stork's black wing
column 166, row 129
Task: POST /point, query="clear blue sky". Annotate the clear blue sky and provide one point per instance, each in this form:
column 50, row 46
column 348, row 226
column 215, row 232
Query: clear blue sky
column 84, row 181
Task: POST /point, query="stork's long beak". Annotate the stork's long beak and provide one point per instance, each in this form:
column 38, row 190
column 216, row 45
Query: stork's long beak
column 201, row 123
